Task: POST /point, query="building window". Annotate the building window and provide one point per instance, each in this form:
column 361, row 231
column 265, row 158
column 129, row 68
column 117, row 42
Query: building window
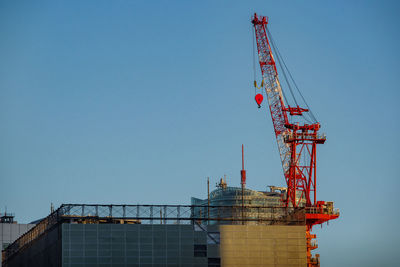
column 213, row 238
column 200, row 250
column 214, row 262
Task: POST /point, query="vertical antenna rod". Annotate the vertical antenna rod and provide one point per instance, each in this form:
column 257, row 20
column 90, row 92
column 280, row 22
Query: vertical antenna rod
column 243, row 182
column 208, row 200
column 243, row 171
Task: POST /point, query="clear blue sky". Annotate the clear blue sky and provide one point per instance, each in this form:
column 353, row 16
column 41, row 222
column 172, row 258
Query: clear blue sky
column 139, row 101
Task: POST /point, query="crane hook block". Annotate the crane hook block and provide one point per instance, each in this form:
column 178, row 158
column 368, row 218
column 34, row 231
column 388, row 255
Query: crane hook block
column 259, row 98
column 262, row 84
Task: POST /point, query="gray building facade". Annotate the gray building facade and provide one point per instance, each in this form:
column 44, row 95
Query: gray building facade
column 136, row 245
column 10, row 230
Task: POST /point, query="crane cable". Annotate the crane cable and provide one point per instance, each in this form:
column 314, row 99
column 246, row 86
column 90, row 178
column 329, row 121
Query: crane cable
column 283, row 65
column 254, row 68
column 254, row 65
column 280, row 64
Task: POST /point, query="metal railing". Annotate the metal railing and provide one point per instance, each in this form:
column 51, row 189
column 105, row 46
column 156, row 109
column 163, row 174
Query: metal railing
column 314, row 243
column 322, row 210
column 290, row 136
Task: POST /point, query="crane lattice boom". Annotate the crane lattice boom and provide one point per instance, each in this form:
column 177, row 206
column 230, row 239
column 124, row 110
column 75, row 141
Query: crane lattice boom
column 296, row 143
column 273, row 90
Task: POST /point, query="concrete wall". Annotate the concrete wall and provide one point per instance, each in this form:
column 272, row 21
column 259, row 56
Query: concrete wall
column 9, row 232
column 257, row 245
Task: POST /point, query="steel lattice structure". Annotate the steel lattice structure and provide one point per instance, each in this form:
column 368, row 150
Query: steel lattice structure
column 296, row 143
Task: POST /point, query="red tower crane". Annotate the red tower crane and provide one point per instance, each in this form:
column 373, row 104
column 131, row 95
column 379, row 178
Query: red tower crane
column 297, row 139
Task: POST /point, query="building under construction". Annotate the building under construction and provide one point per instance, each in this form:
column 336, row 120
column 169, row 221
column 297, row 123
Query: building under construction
column 226, row 195
column 241, row 197
column 162, row 235
column 234, row 226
